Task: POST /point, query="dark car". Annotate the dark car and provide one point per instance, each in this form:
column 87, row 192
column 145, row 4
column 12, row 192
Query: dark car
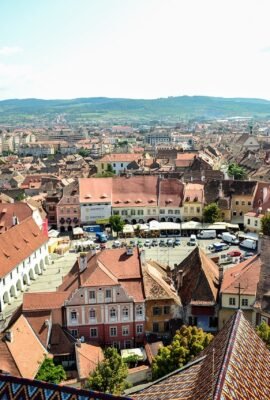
column 234, row 253
column 155, row 242
column 162, row 243
column 177, row 242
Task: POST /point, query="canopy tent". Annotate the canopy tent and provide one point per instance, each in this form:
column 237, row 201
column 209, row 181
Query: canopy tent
column 128, row 229
column 77, row 231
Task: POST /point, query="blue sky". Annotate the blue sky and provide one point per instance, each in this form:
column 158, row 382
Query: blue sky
column 134, row 48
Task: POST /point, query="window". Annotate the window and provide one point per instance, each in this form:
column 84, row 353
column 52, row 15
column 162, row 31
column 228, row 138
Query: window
column 108, row 294
column 166, row 326
column 177, row 211
column 153, row 211
column 198, row 210
column 113, row 331
column 133, row 212
column 92, row 313
column 234, row 213
column 140, row 212
column 124, row 212
column 155, row 327
column 191, row 210
column 92, row 295
column 122, row 165
column 256, row 222
column 125, row 330
column 74, row 332
column 249, row 203
column 102, row 166
column 241, row 213
column 17, row 269
column 93, row 332
column 113, row 313
column 125, row 312
column 148, row 212
column 114, row 164
column 237, row 203
column 162, row 211
column 232, row 301
column 243, row 203
column 244, row 302
column 157, row 310
column 116, row 212
column 185, row 210
column 170, row 211
column 167, row 309
column 127, row 344
column 10, row 275
column 73, row 315
column 248, row 221
column 139, row 311
column 139, row 329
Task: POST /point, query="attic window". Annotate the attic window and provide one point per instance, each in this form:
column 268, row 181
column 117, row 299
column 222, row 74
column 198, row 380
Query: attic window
column 169, row 201
column 26, row 240
column 151, row 200
column 187, row 198
column 117, row 201
column 88, row 196
column 138, row 201
column 6, row 254
column 195, row 198
column 127, row 201
column 104, row 196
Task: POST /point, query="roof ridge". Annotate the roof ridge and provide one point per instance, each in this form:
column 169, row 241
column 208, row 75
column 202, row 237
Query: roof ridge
column 227, row 355
column 105, row 270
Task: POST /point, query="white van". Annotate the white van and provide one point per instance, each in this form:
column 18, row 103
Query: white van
column 192, row 240
column 229, row 238
column 210, row 234
column 249, row 244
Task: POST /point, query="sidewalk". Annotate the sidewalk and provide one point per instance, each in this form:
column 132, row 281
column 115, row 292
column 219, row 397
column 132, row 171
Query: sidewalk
column 48, row 282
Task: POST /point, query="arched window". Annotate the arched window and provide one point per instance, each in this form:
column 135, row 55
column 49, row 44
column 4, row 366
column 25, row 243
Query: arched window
column 139, row 310
column 92, row 313
column 113, row 312
column 125, row 312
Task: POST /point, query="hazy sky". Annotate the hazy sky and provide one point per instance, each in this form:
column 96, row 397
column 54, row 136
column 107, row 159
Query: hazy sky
column 134, row 48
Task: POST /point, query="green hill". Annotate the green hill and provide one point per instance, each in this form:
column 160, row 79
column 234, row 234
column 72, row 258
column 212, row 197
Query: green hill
column 169, row 109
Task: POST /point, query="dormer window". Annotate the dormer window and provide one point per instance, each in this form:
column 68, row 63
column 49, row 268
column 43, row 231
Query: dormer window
column 187, row 198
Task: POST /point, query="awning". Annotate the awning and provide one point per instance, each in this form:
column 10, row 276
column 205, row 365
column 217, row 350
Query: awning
column 128, row 229
column 53, row 233
column 192, row 225
column 154, row 225
column 77, row 231
column 166, row 226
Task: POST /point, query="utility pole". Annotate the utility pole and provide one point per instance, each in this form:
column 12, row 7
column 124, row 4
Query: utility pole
column 239, row 294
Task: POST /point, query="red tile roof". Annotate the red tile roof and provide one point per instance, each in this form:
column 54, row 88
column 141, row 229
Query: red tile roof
column 21, row 210
column 25, row 348
column 234, row 366
column 121, row 157
column 18, row 243
column 37, row 322
column 135, row 191
column 246, row 273
column 44, row 300
column 171, row 193
column 95, row 190
column 87, row 356
column 194, row 192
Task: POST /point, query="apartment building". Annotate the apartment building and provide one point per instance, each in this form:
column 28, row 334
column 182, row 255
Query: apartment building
column 106, row 306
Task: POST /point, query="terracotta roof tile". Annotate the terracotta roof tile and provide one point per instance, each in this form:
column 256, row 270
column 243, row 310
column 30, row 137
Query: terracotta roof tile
column 246, row 273
column 25, row 348
column 37, row 321
column 44, row 300
column 18, row 243
column 87, row 356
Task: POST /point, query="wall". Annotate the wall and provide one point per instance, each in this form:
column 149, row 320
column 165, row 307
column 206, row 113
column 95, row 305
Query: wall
column 92, row 212
column 139, row 375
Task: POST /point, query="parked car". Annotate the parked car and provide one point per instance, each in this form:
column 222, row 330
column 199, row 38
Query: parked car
column 246, row 255
column 177, row 242
column 116, row 244
column 148, row 243
column 207, row 234
column 162, row 243
column 155, row 242
column 140, row 243
column 97, row 247
column 192, row 240
column 133, row 243
column 170, row 242
column 234, row 253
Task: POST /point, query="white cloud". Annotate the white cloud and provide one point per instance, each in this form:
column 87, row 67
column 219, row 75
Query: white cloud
column 10, row 50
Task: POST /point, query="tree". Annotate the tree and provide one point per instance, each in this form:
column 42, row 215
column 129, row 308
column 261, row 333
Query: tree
column 263, row 331
column 49, row 372
column 116, row 223
column 211, row 213
column 236, row 171
column 186, row 344
column 110, row 374
column 265, row 221
column 83, row 152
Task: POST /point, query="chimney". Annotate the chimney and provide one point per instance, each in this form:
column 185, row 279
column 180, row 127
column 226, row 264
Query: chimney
column 78, row 343
column 9, row 336
column 263, row 245
column 82, row 261
column 142, row 257
column 180, row 278
column 220, row 273
column 15, row 220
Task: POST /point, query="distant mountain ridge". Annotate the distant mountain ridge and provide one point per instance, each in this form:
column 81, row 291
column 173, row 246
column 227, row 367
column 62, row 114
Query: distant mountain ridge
column 105, row 108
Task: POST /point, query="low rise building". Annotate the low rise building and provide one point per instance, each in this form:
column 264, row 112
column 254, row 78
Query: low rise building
column 23, row 256
column 238, row 290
